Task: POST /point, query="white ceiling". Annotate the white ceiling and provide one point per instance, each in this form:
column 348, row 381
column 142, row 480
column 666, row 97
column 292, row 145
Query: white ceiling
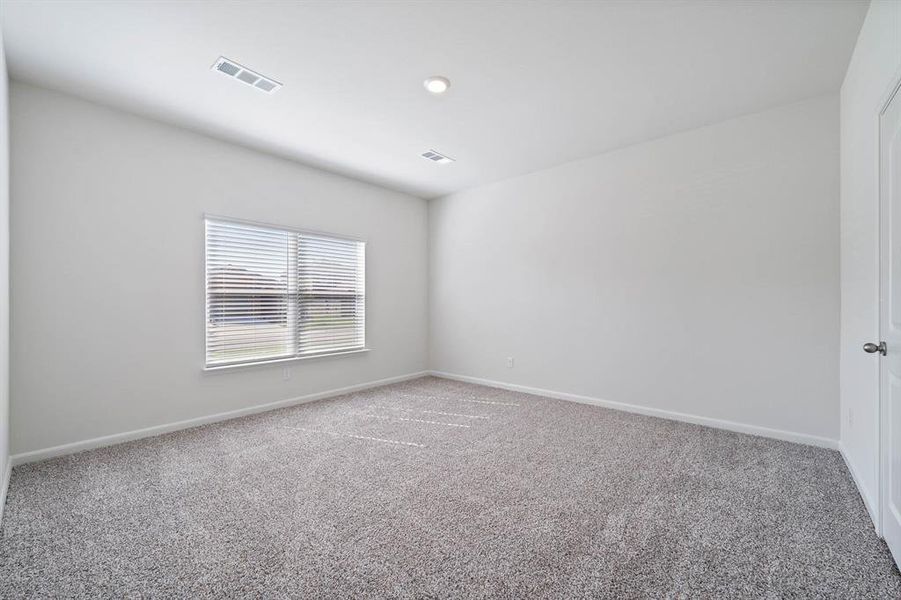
column 534, row 84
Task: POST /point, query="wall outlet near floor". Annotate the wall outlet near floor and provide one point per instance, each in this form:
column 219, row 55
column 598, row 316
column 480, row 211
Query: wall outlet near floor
column 509, row 362
column 286, row 373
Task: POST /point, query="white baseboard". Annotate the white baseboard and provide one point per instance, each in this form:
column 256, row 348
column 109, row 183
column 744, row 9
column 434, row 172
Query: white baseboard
column 118, row 438
column 868, row 501
column 71, row 448
column 779, row 434
column 4, row 484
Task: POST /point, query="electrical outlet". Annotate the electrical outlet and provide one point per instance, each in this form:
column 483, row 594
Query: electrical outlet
column 850, row 417
column 286, row 373
column 509, row 362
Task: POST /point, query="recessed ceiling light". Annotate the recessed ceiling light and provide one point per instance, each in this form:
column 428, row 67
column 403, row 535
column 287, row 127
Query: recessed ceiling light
column 437, row 84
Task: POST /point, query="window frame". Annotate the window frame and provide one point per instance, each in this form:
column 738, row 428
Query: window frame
column 247, row 364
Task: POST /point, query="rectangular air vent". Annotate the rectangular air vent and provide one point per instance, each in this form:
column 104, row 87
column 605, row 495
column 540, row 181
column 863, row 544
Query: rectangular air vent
column 436, row 157
column 245, row 75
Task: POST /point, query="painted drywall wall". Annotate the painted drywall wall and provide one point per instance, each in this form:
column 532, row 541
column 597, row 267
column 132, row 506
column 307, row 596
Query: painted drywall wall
column 697, row 274
column 107, row 270
column 4, row 276
column 874, row 69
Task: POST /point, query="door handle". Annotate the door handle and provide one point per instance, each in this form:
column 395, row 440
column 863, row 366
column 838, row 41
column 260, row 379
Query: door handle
column 873, row 348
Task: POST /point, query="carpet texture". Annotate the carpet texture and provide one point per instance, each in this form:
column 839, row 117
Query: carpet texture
column 439, row 489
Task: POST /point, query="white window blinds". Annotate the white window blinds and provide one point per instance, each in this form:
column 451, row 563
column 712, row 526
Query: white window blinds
column 276, row 293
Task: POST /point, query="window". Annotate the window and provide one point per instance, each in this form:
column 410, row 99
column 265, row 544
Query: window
column 274, row 294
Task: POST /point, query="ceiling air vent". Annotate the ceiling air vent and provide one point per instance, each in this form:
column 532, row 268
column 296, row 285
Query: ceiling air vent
column 437, row 157
column 245, row 75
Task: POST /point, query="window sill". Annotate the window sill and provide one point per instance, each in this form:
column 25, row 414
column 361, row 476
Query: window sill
column 279, row 361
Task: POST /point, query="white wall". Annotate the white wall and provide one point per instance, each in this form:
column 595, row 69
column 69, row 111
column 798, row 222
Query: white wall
column 875, row 67
column 4, row 276
column 697, row 273
column 107, row 270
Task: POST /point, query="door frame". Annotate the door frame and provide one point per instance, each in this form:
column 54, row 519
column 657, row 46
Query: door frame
column 894, row 89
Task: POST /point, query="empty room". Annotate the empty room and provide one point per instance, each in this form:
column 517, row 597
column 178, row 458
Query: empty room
column 450, row 299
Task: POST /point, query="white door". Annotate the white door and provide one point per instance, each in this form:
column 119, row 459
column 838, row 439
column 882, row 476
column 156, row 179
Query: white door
column 890, row 322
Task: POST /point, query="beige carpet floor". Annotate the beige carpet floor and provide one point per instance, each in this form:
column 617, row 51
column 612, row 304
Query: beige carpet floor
column 439, row 489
